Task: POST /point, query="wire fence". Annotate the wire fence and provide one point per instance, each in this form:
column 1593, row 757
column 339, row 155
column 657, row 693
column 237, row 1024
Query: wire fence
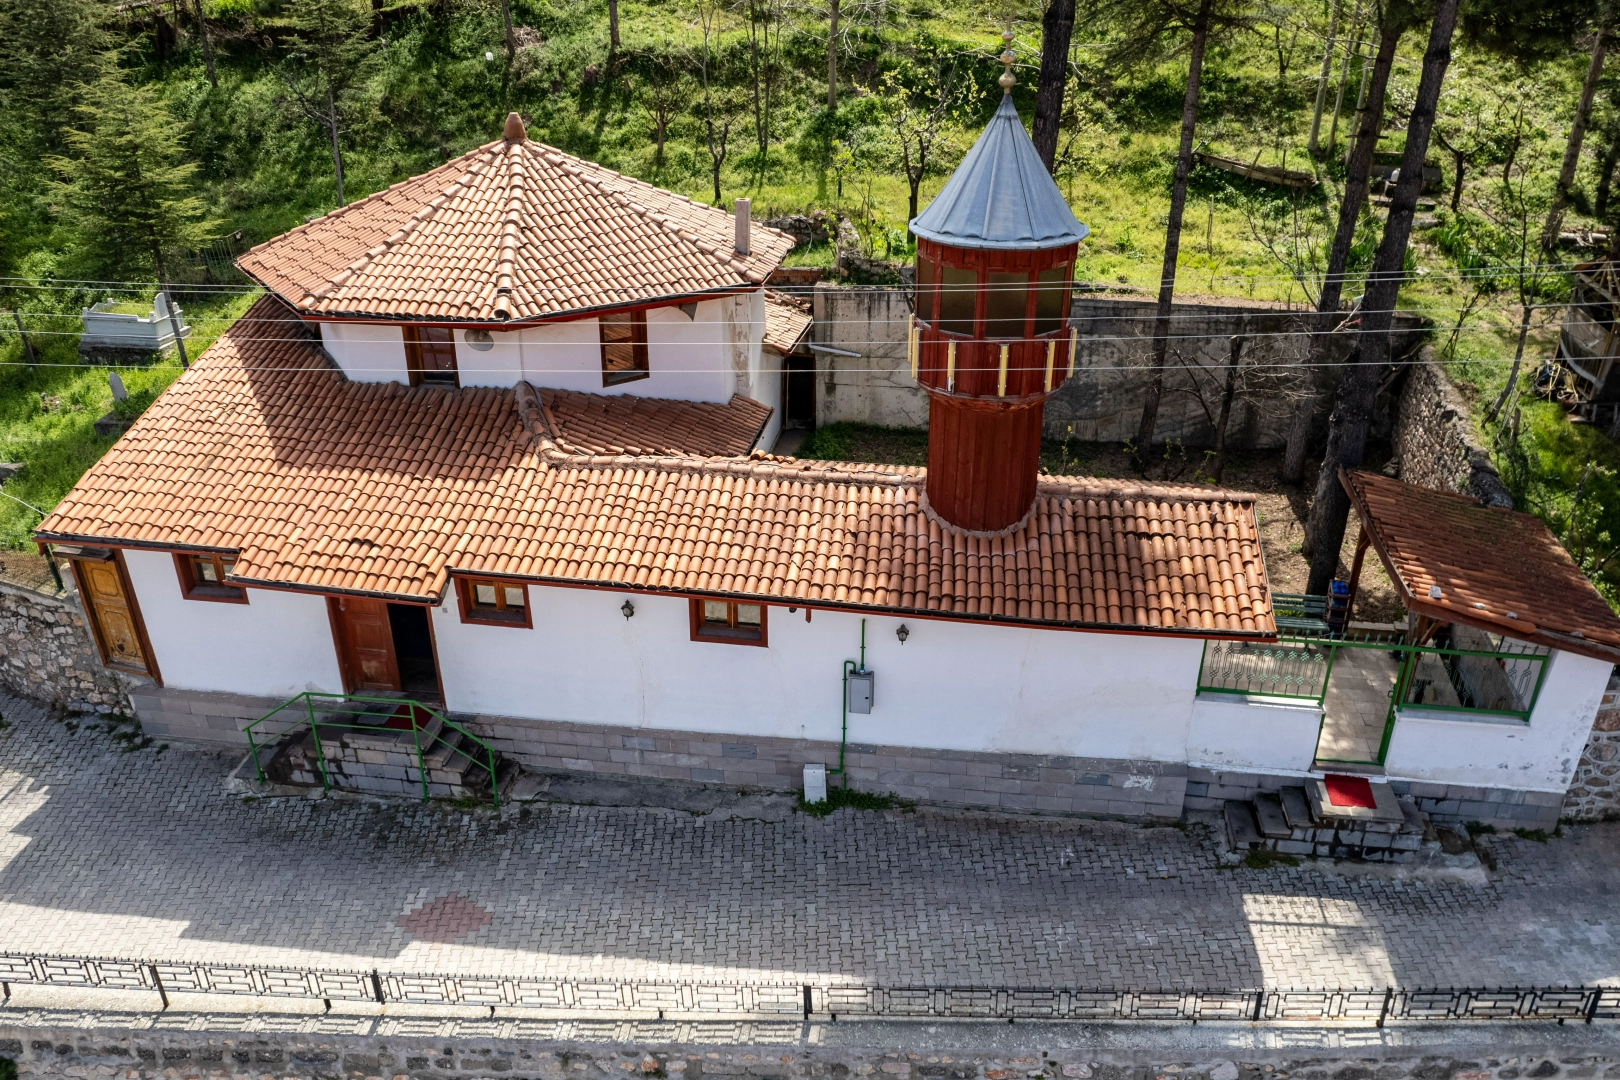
column 637, row 998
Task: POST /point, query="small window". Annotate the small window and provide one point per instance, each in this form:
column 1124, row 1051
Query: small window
column 203, row 577
column 1005, row 304
column 925, row 288
column 1052, row 300
column 958, row 300
column 430, row 356
column 728, row 621
column 624, row 347
column 489, row 600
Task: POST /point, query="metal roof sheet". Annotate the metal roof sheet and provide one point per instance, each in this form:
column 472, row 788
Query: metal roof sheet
column 1001, row 196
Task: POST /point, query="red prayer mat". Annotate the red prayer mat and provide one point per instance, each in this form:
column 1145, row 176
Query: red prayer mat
column 1349, row 791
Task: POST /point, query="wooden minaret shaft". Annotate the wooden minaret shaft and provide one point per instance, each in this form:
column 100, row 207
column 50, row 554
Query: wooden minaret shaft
column 983, row 461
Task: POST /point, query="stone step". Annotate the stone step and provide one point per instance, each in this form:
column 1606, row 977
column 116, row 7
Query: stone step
column 1269, row 812
column 1296, row 809
column 1241, row 828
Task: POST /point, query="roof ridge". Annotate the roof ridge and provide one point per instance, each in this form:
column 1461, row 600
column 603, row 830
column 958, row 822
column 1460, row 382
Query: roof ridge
column 506, row 257
column 730, row 263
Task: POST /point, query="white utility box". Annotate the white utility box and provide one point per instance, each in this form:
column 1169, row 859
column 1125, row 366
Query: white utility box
column 861, row 688
column 815, row 783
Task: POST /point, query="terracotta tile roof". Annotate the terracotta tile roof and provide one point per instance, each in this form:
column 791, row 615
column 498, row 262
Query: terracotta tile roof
column 787, row 321
column 625, row 424
column 329, row 485
column 1487, row 563
column 510, row 231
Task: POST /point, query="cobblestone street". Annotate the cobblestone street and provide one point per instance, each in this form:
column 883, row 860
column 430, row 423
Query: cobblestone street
column 110, row 851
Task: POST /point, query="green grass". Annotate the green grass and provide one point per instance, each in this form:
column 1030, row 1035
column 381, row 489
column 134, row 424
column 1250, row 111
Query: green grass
column 1261, row 859
column 841, row 798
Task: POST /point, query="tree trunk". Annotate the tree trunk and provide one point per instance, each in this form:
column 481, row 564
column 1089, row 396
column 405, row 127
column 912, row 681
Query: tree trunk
column 1611, row 158
column 1572, row 148
column 832, row 54
column 1347, row 432
column 1458, row 163
column 613, row 25
column 207, row 46
column 28, row 344
column 511, row 38
column 1350, row 207
column 1227, row 394
column 1323, row 79
column 1525, row 308
column 337, row 149
column 1344, row 76
column 1057, row 27
column 1172, row 237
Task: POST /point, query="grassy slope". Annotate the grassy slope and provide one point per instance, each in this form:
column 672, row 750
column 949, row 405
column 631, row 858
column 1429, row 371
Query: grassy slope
column 264, row 169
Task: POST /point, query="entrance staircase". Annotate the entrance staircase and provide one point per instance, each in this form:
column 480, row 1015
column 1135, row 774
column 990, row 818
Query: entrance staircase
column 380, row 744
column 1305, row 821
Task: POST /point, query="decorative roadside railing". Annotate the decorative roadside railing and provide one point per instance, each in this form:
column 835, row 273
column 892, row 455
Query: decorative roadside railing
column 642, row 999
column 368, row 716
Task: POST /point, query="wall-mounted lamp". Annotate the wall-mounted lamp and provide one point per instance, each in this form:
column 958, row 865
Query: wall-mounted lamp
column 627, row 609
column 902, row 633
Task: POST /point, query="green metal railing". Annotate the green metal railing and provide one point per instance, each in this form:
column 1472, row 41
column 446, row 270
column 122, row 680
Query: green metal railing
column 330, row 705
column 1473, row 673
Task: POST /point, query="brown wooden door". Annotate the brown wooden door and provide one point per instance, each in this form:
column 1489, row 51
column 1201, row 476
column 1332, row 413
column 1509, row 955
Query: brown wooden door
column 430, row 354
column 365, row 644
column 117, row 625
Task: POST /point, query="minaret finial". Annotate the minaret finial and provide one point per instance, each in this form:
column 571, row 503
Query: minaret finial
column 1007, row 80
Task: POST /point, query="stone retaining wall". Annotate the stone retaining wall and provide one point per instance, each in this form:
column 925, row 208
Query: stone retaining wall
column 47, row 654
column 431, row 1049
column 1434, row 439
column 1594, row 794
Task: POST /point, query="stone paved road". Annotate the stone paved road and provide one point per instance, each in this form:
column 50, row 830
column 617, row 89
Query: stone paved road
column 105, row 851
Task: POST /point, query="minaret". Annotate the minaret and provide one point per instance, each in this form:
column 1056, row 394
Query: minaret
column 991, row 339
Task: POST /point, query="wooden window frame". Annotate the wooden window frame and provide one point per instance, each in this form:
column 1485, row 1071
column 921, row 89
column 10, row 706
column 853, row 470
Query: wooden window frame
column 413, row 358
column 638, row 348
column 502, row 616
column 193, row 589
column 703, row 631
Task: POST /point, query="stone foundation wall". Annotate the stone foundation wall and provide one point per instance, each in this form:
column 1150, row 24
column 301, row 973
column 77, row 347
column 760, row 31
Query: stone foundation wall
column 198, row 716
column 47, row 654
column 1434, row 439
column 1594, row 794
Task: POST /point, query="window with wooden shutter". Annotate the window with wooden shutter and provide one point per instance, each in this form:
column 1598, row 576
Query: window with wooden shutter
column 490, row 600
column 624, row 347
column 203, row 577
column 729, row 621
column 430, row 356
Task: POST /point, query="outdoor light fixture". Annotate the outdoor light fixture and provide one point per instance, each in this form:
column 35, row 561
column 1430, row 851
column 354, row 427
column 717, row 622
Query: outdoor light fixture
column 627, row 609
column 902, row 633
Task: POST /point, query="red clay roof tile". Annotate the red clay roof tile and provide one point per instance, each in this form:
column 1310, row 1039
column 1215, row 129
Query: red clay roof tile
column 264, row 449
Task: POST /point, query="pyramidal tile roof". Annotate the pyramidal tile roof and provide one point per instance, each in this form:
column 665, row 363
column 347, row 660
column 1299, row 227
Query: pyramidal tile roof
column 513, row 230
column 321, row 484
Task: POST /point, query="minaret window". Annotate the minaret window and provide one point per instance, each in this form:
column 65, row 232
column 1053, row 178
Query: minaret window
column 1052, row 300
column 926, row 269
column 624, row 347
column 958, row 300
column 1005, row 305
column 430, row 356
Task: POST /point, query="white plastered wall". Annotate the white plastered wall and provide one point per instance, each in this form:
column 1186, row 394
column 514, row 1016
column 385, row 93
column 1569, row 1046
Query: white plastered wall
column 276, row 645
column 367, row 352
column 1506, row 753
column 952, row 686
column 1231, row 731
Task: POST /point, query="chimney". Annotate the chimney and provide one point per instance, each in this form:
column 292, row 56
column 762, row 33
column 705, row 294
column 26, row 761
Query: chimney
column 744, row 214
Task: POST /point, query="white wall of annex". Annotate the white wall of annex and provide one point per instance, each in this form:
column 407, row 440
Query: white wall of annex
column 1232, row 731
column 500, row 363
column 276, row 645
column 367, row 352
column 685, row 355
column 1538, row 756
column 953, row 686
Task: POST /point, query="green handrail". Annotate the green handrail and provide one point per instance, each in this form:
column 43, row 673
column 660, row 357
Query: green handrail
column 308, row 698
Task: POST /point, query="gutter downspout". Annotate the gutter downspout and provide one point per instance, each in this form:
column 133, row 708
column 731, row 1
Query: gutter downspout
column 843, row 737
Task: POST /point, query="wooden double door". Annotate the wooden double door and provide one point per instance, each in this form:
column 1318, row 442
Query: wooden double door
column 384, row 647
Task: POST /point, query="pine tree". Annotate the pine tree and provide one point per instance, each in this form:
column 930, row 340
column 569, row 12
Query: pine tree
column 49, row 51
column 330, row 62
column 128, row 190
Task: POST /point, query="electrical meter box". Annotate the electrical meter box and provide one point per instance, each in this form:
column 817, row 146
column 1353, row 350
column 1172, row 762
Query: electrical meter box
column 860, row 689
